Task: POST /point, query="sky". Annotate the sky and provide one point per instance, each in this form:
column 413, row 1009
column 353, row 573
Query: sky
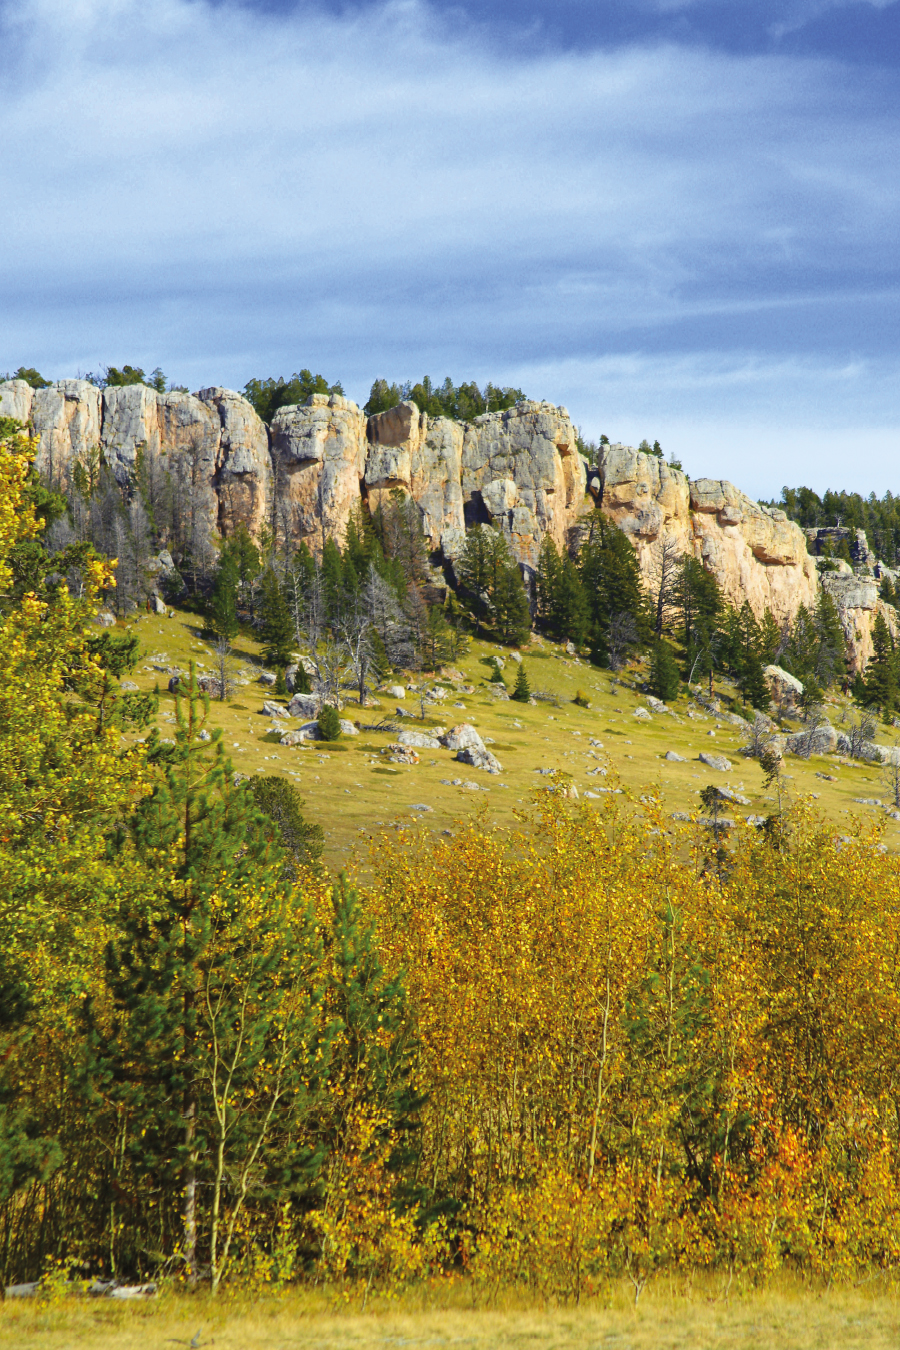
column 677, row 219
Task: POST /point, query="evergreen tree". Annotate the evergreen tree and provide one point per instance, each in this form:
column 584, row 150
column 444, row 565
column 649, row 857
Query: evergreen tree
column 831, row 655
column 278, row 634
column 616, row 601
column 570, row 614
column 664, row 679
column 511, row 611
column 241, row 552
column 301, row 680
column 329, row 723
column 222, row 612
column 200, row 944
column 546, row 580
column 375, row 1052
column 699, row 605
column 521, row 692
column 881, row 685
column 281, row 803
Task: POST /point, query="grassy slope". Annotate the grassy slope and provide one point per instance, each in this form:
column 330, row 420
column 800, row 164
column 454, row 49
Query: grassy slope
column 350, row 792
column 782, row 1317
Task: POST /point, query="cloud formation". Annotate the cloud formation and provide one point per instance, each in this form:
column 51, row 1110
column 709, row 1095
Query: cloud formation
column 232, row 193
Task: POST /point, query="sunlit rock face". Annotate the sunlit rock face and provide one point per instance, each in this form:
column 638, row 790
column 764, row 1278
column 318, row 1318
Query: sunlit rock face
column 422, row 456
column 318, row 458
column 754, row 552
column 522, row 472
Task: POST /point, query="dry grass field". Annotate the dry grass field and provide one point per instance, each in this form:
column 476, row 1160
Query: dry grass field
column 354, row 793
column 781, row 1318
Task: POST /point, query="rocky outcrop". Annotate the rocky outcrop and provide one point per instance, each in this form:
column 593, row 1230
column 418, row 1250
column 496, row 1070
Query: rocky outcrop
column 211, row 447
column 423, row 457
column 857, row 600
column 517, row 469
column 521, row 471
column 64, row 417
column 244, row 481
column 319, row 459
column 754, row 552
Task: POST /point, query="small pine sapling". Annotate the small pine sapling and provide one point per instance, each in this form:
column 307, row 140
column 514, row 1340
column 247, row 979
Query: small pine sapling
column 581, row 699
column 522, row 692
column 329, row 723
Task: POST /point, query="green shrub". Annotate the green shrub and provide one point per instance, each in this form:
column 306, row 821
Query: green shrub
column 581, row 699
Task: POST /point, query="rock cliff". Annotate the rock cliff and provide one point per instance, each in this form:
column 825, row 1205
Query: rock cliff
column 518, row 469
column 754, row 552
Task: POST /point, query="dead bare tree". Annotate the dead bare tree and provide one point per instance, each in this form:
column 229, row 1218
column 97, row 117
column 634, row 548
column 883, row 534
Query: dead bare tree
column 664, row 570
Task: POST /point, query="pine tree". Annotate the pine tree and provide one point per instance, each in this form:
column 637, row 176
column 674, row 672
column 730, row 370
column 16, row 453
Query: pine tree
column 611, row 576
column 329, row 723
column 375, row 1053
column 281, row 803
column 278, row 633
column 512, row 613
column 522, row 692
column 664, row 679
column 301, row 680
column 182, row 963
column 881, row 685
column 222, row 610
column 699, row 604
column 569, row 611
column 546, row 580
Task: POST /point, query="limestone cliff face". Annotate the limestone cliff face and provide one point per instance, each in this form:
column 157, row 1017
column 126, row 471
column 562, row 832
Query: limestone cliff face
column 423, row 457
column 65, row 418
column 212, row 445
column 244, row 481
column 521, row 470
column 858, row 602
column 754, row 552
column 319, row 458
column 518, row 469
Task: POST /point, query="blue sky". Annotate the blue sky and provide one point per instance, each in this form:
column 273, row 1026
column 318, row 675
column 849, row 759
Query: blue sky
column 678, row 219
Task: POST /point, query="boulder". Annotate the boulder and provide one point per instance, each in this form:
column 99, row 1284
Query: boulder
column 462, row 737
column 675, row 758
column 727, row 794
column 394, row 691
column 479, row 759
column 785, row 688
column 642, row 715
column 822, row 740
column 420, row 739
column 348, row 728
column 304, row 705
column 158, row 604
column 275, row 709
column 718, row 762
column 402, row 754
column 267, row 678
column 294, row 737
column 210, row 684
column 104, row 619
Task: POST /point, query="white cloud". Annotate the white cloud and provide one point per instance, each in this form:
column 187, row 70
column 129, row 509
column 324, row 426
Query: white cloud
column 231, row 193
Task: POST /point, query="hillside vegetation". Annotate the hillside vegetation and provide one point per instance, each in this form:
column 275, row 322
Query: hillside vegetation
column 554, row 1046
